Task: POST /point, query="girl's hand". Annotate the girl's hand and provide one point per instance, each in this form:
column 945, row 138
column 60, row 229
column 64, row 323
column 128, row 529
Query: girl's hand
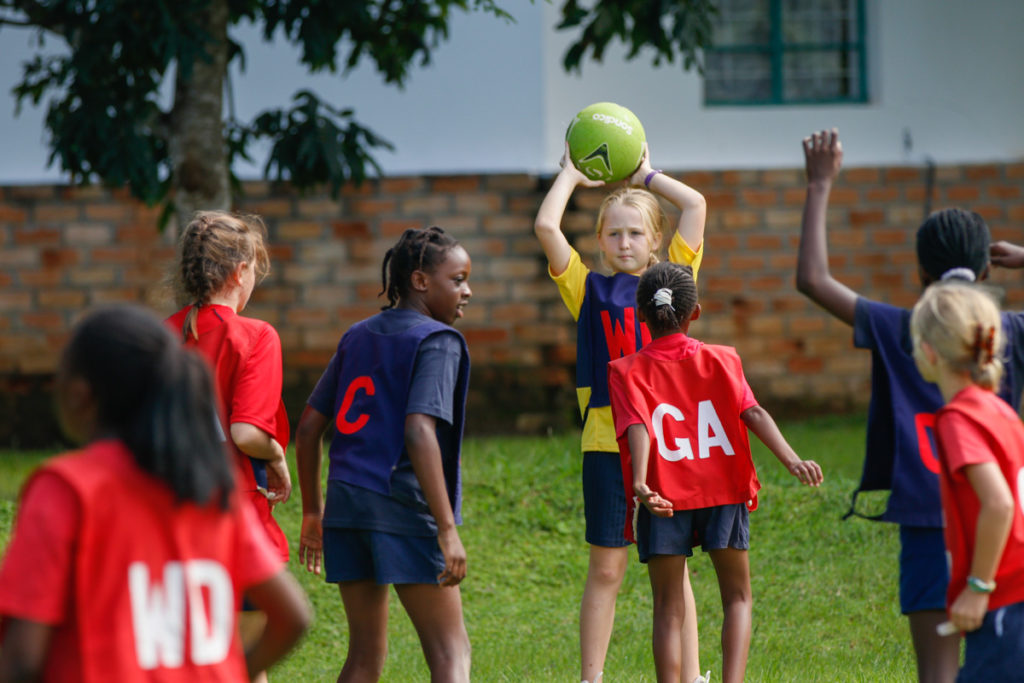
column 823, row 155
column 454, row 558
column 640, row 174
column 658, row 506
column 968, row 610
column 311, row 542
column 807, row 471
column 569, row 170
column 1006, row 255
column 279, row 479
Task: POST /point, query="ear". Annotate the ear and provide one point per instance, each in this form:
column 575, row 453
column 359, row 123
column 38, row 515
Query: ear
column 640, row 315
column 928, row 351
column 418, row 281
column 236, row 274
column 696, row 313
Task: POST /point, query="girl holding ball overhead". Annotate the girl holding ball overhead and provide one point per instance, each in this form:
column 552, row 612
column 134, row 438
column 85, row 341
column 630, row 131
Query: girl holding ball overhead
column 630, row 227
column 958, row 344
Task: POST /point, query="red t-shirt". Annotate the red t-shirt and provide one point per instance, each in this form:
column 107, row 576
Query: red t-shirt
column 245, row 355
column 99, row 551
column 689, row 396
column 978, row 427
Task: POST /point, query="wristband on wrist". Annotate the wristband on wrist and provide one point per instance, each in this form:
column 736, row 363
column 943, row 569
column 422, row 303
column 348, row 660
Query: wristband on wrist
column 979, row 586
column 650, row 176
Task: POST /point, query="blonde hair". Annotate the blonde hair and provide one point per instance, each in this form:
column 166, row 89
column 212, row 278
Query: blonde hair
column 211, row 247
column 961, row 322
column 652, row 216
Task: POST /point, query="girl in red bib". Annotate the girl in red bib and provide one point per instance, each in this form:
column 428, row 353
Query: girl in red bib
column 958, row 344
column 222, row 257
column 130, row 557
column 682, row 410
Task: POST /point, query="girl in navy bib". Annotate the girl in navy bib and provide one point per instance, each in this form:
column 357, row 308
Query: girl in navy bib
column 395, row 392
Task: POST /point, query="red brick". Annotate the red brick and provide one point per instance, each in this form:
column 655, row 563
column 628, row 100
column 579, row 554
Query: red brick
column 759, row 198
column 764, row 242
column 1015, row 171
column 394, row 228
column 347, row 229
column 986, row 172
column 58, row 258
column 747, row 178
column 881, row 194
column 794, row 196
column 12, row 214
column 55, row 213
column 962, row 193
column 902, row 174
column 479, row 335
column 455, row 184
column 843, row 196
column 115, row 255
column 401, row 186
column 697, row 179
column 1003, row 191
column 866, row 217
column 480, row 202
column 372, row 207
column 861, row 176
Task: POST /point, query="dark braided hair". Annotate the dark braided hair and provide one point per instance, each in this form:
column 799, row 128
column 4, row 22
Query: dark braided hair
column 157, row 396
column 953, row 238
column 211, row 247
column 415, row 250
column 674, row 277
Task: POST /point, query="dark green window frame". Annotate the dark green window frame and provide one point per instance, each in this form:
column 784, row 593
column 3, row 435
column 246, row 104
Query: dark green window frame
column 773, row 79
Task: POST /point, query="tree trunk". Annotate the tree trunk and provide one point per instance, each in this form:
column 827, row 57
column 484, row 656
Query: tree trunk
column 196, row 145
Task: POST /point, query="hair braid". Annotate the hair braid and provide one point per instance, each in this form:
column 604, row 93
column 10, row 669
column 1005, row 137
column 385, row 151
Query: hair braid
column 421, row 249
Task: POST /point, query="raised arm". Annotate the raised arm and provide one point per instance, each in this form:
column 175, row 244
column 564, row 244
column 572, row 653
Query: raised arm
column 1006, row 255
column 548, row 224
column 823, row 154
column 691, row 203
column 759, row 421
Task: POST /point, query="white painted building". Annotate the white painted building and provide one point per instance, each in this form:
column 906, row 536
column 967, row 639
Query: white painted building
column 944, row 80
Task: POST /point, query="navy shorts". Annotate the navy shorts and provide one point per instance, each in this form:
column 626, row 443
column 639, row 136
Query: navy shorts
column 924, row 570
column 604, row 499
column 360, row 555
column 995, row 652
column 713, row 528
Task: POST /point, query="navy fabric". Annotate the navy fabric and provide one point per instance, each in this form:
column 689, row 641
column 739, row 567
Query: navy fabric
column 360, row 555
column 604, row 499
column 713, row 528
column 608, row 328
column 924, row 571
column 900, row 454
column 995, row 652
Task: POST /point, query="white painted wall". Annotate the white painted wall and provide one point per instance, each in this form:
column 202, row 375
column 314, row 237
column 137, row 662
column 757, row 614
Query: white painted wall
column 495, row 98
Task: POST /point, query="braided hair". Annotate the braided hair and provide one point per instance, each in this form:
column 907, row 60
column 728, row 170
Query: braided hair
column 156, row 396
column 667, row 295
column 953, row 243
column 415, row 250
column 211, row 247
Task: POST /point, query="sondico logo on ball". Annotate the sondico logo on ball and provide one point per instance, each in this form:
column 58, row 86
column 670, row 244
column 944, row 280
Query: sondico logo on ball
column 604, row 118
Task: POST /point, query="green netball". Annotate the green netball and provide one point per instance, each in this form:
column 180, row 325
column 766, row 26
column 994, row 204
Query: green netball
column 606, row 141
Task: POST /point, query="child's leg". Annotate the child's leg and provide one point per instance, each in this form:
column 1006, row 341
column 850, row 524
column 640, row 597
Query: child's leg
column 436, row 613
column 597, row 609
column 690, row 645
column 250, row 627
column 667, row 573
column 733, row 569
column 938, row 657
column 366, row 609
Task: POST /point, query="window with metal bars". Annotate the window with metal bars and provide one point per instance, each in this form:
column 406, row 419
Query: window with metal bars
column 786, row 52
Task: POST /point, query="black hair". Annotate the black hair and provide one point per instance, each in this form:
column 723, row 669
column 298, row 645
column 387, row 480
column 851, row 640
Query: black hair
column 674, row 277
column 415, row 250
column 953, row 238
column 156, row 396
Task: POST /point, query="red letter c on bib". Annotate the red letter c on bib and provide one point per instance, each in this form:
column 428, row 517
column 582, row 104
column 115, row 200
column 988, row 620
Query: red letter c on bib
column 365, row 382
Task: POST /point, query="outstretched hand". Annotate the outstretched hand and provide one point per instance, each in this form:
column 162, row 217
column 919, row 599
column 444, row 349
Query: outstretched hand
column 823, row 155
column 1004, row 254
column 578, row 177
column 652, row 500
column 807, row 471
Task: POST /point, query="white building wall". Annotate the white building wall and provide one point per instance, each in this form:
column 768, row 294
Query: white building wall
column 495, row 98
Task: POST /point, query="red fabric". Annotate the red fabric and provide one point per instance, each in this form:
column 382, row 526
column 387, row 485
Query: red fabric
column 105, row 518
column 692, row 395
column 978, row 427
column 245, row 355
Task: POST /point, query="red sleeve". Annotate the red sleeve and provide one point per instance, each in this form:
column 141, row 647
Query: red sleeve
column 258, row 559
column 257, row 393
column 624, row 411
column 36, row 578
column 962, row 442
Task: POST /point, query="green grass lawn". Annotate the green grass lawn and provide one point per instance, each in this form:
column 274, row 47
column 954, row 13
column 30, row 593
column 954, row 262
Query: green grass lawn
column 825, row 591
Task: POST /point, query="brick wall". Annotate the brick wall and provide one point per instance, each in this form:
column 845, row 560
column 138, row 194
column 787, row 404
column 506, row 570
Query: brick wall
column 63, row 249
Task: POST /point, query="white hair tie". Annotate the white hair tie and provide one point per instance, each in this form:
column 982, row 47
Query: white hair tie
column 663, row 297
column 959, row 273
